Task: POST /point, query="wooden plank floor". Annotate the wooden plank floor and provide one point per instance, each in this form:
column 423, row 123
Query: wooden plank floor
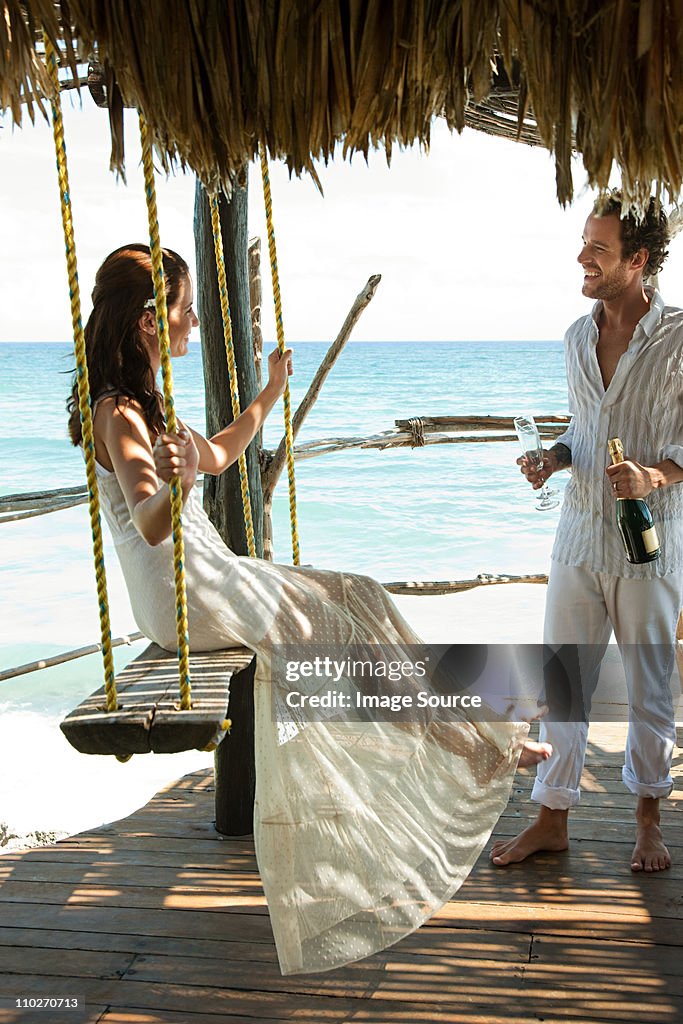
column 157, row 919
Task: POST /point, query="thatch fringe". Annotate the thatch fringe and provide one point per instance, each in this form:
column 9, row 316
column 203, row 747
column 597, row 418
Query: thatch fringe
column 215, row 79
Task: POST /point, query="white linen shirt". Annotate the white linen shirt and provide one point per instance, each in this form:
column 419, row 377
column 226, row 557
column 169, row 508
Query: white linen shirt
column 643, row 405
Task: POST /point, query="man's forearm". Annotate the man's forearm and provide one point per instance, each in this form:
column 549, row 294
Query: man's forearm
column 562, row 454
column 632, row 480
column 663, row 474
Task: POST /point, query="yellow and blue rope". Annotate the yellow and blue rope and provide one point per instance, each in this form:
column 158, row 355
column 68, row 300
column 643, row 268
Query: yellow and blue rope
column 171, row 421
column 84, row 402
column 289, row 439
column 232, row 368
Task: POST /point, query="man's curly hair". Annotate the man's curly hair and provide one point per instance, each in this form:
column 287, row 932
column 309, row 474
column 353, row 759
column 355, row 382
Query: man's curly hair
column 651, row 231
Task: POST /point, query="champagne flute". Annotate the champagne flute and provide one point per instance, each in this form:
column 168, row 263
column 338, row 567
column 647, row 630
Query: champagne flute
column 529, row 439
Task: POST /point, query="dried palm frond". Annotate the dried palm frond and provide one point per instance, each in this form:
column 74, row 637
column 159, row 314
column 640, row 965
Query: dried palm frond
column 216, row 79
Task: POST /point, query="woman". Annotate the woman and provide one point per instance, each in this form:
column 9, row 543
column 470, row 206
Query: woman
column 362, row 829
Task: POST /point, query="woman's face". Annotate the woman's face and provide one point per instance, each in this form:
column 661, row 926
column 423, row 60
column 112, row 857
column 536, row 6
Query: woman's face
column 182, row 319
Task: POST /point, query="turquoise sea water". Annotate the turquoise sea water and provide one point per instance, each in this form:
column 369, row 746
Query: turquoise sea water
column 442, row 512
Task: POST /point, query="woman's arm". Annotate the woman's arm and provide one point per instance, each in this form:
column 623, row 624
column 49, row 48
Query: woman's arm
column 122, row 440
column 225, row 447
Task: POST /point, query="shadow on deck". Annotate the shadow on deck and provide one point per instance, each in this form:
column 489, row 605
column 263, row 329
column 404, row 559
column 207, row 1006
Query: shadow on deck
column 156, row 918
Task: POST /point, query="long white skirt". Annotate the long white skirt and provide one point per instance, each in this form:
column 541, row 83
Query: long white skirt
column 362, row 829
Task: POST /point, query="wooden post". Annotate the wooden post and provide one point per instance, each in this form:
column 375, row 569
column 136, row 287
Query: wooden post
column 234, row 759
column 234, row 767
column 679, row 669
column 222, row 498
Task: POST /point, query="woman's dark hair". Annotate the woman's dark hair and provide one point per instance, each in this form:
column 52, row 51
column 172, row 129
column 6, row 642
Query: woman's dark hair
column 117, row 357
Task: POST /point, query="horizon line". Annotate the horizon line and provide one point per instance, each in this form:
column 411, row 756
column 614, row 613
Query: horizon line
column 351, row 341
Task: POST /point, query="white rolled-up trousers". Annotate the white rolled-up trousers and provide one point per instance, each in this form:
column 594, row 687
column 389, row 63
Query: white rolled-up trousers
column 583, row 608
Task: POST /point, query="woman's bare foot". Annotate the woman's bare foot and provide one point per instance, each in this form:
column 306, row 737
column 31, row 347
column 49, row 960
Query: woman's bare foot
column 548, row 832
column 533, row 753
column 649, row 853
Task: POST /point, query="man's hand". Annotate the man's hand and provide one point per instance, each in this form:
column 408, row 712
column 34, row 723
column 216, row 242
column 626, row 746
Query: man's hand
column 537, row 477
column 631, row 480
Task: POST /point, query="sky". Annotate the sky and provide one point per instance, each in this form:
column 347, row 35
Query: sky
column 469, row 238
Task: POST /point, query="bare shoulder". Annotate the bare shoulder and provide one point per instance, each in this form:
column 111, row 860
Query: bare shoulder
column 121, row 432
column 112, row 402
column 120, row 412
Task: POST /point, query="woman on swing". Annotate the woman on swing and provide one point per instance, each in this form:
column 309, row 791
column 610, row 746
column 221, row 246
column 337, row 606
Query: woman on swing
column 362, row 830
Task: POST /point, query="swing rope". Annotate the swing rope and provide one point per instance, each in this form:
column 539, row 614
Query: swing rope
column 289, row 438
column 83, row 387
column 175, row 487
column 84, row 403
column 232, row 368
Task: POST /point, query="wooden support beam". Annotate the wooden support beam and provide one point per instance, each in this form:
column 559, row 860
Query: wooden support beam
column 435, row 424
column 234, row 761
column 432, row 587
column 222, row 495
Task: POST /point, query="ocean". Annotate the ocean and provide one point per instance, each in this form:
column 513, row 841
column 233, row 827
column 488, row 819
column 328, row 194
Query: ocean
column 434, row 513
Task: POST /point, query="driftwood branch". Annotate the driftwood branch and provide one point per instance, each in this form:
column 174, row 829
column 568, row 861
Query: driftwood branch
column 61, row 659
column 37, row 503
column 484, row 579
column 273, row 466
column 30, row 504
column 32, row 499
column 429, row 424
column 57, row 506
column 408, row 433
column 274, row 469
column 396, row 438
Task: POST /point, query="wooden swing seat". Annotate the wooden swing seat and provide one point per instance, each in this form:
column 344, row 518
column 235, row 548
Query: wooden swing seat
column 149, row 718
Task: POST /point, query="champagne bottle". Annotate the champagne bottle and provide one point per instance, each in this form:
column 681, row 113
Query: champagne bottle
column 634, row 519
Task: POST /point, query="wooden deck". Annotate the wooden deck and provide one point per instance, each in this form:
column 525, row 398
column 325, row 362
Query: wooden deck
column 157, row 919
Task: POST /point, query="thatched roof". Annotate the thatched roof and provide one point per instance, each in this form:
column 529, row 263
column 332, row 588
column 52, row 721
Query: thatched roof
column 216, row 77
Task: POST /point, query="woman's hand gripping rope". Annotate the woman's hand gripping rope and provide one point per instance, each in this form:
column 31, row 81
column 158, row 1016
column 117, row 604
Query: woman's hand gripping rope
column 176, row 455
column 279, row 369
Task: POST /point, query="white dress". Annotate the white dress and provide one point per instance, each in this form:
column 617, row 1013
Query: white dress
column 362, row 829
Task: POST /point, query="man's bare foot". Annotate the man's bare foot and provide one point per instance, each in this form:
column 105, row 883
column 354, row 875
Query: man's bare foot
column 649, row 853
column 548, row 832
column 533, row 753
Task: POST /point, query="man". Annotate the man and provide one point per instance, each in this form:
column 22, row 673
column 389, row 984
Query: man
column 625, row 375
